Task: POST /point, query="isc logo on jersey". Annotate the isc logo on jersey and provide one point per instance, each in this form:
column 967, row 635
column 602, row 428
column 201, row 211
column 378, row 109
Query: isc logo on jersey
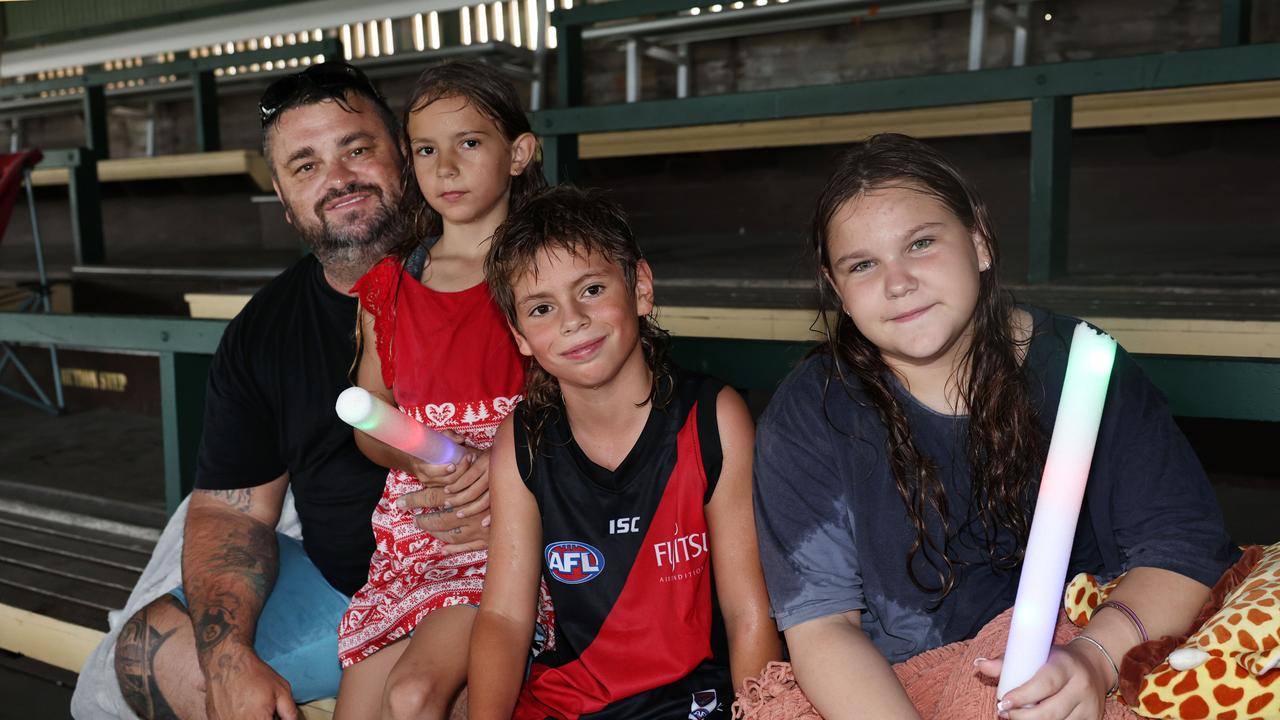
column 572, row 562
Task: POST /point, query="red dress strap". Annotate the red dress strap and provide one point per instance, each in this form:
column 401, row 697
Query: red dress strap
column 377, row 290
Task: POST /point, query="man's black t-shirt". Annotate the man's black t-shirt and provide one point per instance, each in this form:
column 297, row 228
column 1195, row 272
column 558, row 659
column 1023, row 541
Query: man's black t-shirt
column 269, row 410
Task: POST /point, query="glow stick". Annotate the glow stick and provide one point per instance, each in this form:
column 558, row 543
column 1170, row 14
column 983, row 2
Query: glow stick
column 1053, row 528
column 364, row 411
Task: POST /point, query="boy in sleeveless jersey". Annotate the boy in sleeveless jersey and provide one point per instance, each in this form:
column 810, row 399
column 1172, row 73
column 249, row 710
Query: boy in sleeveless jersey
column 621, row 480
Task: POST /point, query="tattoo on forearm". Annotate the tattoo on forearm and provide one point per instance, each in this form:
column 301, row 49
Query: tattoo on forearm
column 229, row 585
column 254, row 559
column 135, row 660
column 213, row 626
column 241, row 499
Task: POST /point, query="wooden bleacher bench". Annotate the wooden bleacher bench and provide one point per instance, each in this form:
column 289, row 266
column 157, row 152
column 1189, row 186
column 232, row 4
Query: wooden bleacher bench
column 1142, row 336
column 1241, row 101
column 168, row 167
column 1154, row 107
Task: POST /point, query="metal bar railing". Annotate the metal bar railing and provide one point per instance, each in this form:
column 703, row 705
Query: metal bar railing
column 185, row 348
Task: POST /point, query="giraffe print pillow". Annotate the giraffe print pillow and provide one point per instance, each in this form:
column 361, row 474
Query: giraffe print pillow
column 1227, row 668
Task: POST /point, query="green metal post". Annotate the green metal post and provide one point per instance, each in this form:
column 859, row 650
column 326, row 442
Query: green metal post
column 95, row 119
column 1236, row 16
column 560, row 152
column 451, row 27
column 182, row 387
column 1050, row 188
column 205, row 89
column 85, row 195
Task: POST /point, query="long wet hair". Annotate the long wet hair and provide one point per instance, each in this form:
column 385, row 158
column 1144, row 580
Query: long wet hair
column 583, row 223
column 487, row 90
column 1005, row 439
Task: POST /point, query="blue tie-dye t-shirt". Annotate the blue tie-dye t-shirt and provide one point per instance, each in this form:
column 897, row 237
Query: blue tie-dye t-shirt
column 834, row 535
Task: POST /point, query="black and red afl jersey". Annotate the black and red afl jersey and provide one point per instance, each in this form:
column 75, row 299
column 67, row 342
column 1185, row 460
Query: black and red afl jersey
column 627, row 559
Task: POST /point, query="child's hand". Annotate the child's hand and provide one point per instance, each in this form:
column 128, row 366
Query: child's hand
column 457, row 502
column 468, row 494
column 442, row 475
column 1072, row 684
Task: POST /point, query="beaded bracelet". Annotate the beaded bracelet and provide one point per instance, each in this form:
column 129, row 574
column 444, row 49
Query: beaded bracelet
column 1129, row 613
column 1115, row 685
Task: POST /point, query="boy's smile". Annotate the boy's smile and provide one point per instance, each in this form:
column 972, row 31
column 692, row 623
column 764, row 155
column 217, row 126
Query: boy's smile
column 576, row 316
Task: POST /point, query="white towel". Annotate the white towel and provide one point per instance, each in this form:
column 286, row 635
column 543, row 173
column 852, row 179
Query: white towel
column 97, row 695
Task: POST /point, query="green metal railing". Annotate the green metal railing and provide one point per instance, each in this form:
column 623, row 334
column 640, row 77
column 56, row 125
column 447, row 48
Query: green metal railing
column 1050, row 89
column 185, row 349
column 85, row 197
column 1241, row 389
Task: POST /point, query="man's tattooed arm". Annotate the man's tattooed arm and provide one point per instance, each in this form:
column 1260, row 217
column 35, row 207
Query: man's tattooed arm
column 229, row 563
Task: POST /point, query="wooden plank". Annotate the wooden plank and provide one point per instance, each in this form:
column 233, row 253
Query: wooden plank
column 1243, row 101
column 215, row 306
column 53, row 642
column 984, row 119
column 1143, row 336
column 318, row 709
column 1206, row 103
column 1208, row 338
column 739, row 323
column 167, row 167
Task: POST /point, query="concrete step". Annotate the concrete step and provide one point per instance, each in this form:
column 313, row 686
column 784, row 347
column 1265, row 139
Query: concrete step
column 66, row 565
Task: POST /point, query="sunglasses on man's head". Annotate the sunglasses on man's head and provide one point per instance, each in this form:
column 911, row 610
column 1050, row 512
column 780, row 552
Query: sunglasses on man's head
column 333, row 78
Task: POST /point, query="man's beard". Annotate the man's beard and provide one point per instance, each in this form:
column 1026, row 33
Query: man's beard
column 351, row 250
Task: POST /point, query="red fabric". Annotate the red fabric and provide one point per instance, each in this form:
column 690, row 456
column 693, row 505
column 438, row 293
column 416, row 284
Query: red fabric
column 451, row 363
column 606, row 670
column 11, row 167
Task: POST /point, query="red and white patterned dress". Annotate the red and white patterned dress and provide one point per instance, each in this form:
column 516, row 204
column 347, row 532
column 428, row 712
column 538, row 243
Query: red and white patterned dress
column 452, row 364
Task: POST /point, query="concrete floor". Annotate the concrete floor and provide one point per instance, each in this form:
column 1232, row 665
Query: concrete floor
column 31, row 690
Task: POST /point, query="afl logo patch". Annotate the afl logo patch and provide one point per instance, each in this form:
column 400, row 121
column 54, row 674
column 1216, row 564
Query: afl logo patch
column 572, row 562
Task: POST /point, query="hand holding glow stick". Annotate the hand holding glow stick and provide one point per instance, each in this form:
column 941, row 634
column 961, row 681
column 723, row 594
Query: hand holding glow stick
column 1053, row 528
column 364, row 411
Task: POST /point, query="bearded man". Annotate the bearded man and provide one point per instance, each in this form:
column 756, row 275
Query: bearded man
column 253, row 628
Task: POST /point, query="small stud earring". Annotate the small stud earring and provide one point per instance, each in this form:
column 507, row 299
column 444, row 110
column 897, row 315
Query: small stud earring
column 986, row 265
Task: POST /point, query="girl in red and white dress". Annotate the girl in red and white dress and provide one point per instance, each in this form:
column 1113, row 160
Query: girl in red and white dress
column 435, row 344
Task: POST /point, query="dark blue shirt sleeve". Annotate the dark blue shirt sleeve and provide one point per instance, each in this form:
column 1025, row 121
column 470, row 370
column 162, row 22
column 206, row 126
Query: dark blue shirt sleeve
column 1161, row 508
column 802, row 518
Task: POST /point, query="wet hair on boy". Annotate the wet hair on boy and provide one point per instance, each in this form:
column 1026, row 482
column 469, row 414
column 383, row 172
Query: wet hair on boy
column 582, row 222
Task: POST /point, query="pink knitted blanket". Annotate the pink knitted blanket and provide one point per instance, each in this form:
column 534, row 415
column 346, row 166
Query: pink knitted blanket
column 942, row 683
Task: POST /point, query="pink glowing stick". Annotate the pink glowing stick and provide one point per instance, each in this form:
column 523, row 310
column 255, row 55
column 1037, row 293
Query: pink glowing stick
column 1044, row 568
column 362, row 410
